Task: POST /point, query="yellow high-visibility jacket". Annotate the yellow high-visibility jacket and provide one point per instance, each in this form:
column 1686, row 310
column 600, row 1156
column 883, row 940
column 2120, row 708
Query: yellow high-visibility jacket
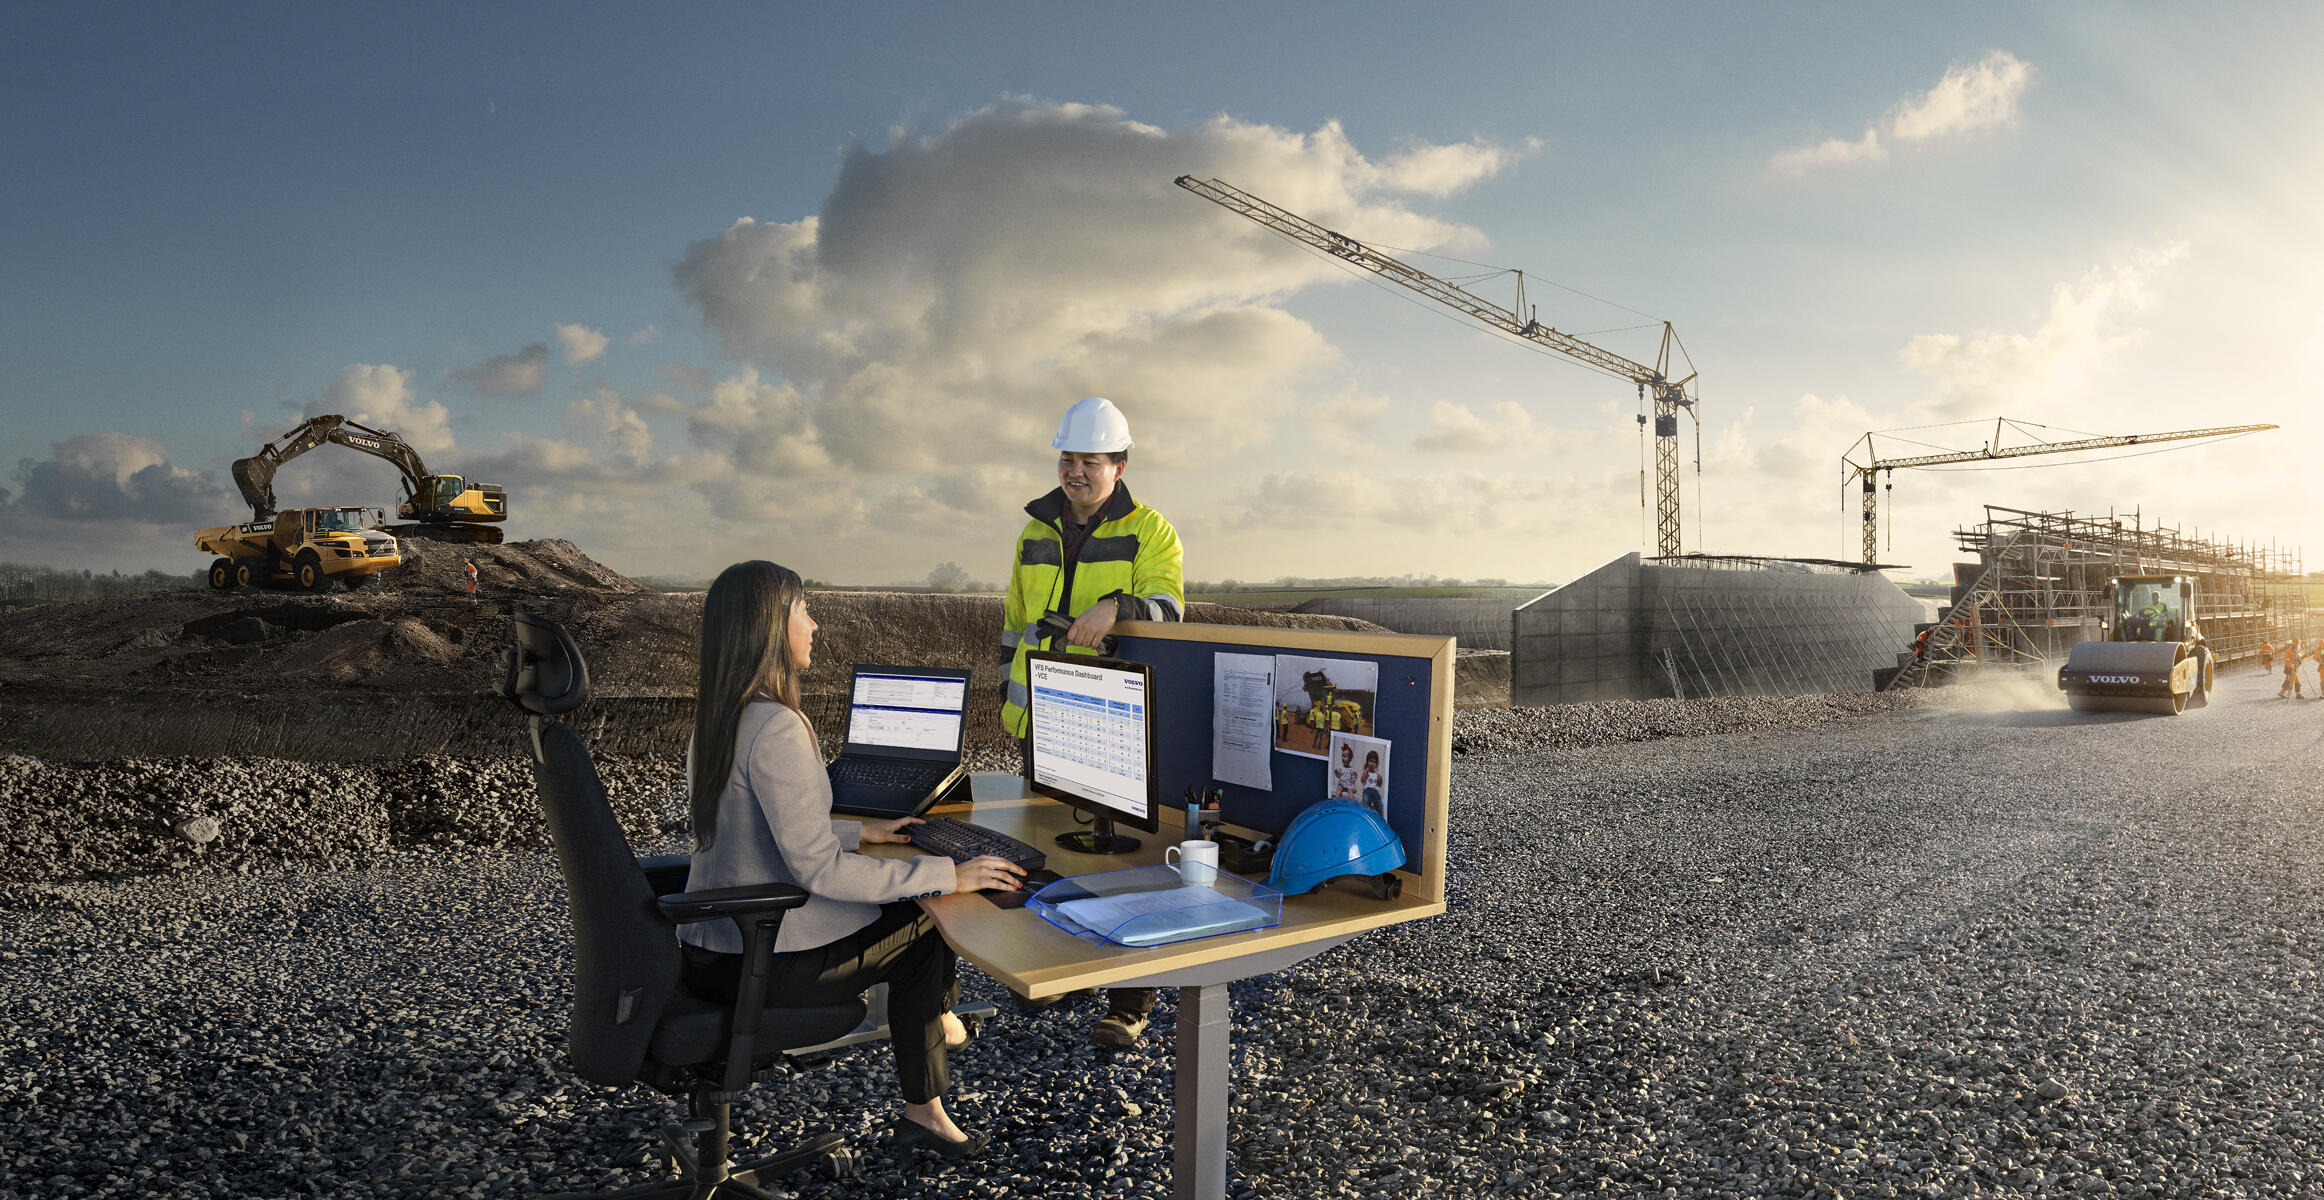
column 1131, row 554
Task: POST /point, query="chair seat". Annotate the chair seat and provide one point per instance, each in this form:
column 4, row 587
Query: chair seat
column 694, row 1030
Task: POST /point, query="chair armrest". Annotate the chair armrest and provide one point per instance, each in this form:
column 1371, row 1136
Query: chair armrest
column 688, row 907
column 666, row 873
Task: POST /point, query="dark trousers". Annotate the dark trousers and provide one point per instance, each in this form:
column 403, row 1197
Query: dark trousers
column 1136, row 1001
column 901, row 949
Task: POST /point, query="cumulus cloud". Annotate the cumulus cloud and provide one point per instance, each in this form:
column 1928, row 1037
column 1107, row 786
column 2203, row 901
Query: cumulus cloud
column 2085, row 323
column 1833, row 150
column 1458, row 429
column 381, row 396
column 1971, row 97
column 644, row 336
column 958, row 290
column 618, row 426
column 517, row 374
column 582, row 344
column 111, row 478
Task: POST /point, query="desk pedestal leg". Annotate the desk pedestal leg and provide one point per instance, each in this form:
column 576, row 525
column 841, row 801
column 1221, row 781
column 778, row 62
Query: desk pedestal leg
column 1199, row 1158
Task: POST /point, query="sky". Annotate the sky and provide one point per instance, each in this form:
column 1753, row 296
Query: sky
column 814, row 283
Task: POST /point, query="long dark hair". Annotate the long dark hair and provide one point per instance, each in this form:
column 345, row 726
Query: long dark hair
column 746, row 656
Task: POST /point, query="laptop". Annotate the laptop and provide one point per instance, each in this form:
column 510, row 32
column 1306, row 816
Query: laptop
column 901, row 748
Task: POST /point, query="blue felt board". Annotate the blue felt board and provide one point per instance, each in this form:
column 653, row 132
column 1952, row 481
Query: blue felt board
column 1182, row 711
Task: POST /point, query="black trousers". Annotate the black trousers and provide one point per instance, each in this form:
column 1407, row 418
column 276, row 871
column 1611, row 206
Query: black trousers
column 1134, row 1001
column 901, row 949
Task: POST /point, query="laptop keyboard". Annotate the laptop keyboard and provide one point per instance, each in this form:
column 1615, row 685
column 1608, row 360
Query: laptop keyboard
column 898, row 776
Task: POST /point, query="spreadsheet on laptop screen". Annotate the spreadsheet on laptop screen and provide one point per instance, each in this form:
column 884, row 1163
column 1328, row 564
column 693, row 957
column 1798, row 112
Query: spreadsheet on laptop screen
column 906, row 712
column 1089, row 733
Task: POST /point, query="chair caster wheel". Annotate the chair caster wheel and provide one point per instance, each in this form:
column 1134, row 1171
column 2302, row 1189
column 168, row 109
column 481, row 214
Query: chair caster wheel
column 841, row 1164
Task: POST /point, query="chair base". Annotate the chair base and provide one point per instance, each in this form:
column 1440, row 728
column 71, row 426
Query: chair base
column 743, row 1179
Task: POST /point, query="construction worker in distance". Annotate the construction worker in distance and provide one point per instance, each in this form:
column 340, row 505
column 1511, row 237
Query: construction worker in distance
column 2267, row 656
column 1093, row 553
column 2291, row 688
column 468, row 577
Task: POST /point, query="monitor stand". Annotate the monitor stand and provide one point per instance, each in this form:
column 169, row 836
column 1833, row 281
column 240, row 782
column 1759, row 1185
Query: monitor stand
column 1099, row 839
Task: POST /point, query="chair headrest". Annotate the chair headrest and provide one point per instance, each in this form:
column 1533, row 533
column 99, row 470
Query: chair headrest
column 543, row 673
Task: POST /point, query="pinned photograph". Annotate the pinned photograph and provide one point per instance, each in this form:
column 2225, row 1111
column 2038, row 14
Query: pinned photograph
column 1359, row 771
column 1318, row 697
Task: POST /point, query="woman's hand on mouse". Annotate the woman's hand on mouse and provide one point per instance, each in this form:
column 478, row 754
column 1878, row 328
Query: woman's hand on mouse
column 987, row 873
column 888, row 831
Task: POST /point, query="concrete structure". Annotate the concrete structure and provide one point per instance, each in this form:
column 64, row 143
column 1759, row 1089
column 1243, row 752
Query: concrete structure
column 1480, row 622
column 1708, row 626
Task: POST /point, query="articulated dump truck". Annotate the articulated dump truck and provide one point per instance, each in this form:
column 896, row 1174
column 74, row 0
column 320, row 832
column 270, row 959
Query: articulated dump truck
column 2153, row 659
column 305, row 548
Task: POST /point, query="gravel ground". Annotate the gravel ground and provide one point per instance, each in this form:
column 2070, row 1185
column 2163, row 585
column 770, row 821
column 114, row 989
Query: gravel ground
column 1832, row 946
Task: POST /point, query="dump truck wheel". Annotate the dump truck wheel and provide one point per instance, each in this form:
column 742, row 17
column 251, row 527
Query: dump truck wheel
column 308, row 571
column 221, row 575
column 249, row 572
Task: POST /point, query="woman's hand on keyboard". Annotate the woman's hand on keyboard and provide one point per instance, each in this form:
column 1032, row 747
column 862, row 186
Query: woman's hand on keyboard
column 988, row 873
column 888, row 831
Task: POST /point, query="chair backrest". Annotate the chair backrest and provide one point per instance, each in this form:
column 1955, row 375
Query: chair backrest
column 625, row 952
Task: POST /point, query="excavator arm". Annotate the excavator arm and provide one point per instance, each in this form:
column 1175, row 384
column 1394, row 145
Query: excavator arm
column 255, row 474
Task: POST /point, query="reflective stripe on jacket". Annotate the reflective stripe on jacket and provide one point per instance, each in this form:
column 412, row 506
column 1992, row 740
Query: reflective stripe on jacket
column 1131, row 553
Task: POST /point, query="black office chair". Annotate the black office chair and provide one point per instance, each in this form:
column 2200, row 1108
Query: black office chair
column 632, row 1019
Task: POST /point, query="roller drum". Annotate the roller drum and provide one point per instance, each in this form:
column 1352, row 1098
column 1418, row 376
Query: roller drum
column 2143, row 677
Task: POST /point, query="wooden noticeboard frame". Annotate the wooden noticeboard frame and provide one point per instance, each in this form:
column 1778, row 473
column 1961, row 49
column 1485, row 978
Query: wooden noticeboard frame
column 1413, row 710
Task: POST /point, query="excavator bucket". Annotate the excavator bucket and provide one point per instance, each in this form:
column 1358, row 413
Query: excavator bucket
column 2138, row 677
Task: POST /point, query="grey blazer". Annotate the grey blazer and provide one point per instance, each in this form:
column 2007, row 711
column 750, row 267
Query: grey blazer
column 775, row 826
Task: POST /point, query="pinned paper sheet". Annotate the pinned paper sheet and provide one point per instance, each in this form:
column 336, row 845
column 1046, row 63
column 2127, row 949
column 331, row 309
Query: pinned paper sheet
column 1242, row 712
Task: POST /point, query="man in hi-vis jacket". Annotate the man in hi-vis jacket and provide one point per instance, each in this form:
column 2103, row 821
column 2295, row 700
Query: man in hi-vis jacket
column 1093, row 554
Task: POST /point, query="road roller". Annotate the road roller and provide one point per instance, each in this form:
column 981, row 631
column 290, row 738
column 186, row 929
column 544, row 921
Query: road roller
column 2153, row 659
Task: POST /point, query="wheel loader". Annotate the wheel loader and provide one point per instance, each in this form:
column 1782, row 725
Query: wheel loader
column 305, row 548
column 2153, row 660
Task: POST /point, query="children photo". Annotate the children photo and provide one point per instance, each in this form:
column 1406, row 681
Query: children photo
column 1359, row 771
column 1316, row 698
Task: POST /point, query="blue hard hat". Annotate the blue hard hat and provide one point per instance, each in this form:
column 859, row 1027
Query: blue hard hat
column 1330, row 839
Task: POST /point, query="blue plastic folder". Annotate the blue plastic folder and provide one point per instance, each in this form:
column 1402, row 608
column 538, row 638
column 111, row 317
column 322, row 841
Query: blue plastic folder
column 1153, row 906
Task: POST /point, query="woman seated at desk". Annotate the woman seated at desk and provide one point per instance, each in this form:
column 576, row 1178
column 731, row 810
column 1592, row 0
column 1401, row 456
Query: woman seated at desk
column 762, row 814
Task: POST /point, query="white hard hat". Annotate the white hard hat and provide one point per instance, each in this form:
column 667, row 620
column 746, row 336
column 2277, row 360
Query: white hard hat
column 1092, row 426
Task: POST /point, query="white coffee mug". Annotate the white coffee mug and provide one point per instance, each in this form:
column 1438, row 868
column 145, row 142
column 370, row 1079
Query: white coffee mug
column 1197, row 862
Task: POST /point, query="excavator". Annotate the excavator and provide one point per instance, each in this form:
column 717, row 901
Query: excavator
column 2153, row 660
column 444, row 508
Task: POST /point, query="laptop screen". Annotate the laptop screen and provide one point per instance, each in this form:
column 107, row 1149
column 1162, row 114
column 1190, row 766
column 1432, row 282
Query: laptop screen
column 900, row 710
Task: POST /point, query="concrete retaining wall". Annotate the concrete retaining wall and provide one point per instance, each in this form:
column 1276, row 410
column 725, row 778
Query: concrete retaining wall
column 1639, row 631
column 1481, row 623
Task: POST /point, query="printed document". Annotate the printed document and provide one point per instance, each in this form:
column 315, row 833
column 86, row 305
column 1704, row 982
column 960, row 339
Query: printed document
column 1242, row 714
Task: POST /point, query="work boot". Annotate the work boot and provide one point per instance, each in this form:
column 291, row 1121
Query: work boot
column 1120, row 1029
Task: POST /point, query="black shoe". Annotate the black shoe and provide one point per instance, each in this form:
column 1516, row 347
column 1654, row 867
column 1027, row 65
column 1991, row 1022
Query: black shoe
column 909, row 1133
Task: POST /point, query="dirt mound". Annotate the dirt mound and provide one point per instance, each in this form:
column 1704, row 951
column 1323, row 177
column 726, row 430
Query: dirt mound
column 406, row 665
column 544, row 565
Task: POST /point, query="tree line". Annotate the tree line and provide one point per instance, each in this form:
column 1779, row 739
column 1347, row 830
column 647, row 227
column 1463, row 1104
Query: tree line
column 37, row 583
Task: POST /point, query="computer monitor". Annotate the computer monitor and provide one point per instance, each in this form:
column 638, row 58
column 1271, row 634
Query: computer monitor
column 1092, row 738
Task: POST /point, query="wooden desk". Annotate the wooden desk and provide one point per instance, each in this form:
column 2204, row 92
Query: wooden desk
column 1017, row 947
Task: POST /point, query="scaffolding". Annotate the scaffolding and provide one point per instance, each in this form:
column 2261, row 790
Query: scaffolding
column 2038, row 586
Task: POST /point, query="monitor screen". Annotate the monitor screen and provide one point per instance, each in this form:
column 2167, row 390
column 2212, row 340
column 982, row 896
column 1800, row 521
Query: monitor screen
column 1093, row 735
column 907, row 712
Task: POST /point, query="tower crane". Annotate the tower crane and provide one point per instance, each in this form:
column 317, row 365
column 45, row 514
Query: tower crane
column 1872, row 465
column 1669, row 395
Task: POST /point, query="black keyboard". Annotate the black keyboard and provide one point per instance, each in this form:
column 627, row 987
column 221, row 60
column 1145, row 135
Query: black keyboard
column 901, row 776
column 960, row 841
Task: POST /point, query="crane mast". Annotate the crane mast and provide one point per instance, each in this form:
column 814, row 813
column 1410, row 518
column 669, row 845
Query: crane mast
column 1872, row 465
column 1669, row 395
